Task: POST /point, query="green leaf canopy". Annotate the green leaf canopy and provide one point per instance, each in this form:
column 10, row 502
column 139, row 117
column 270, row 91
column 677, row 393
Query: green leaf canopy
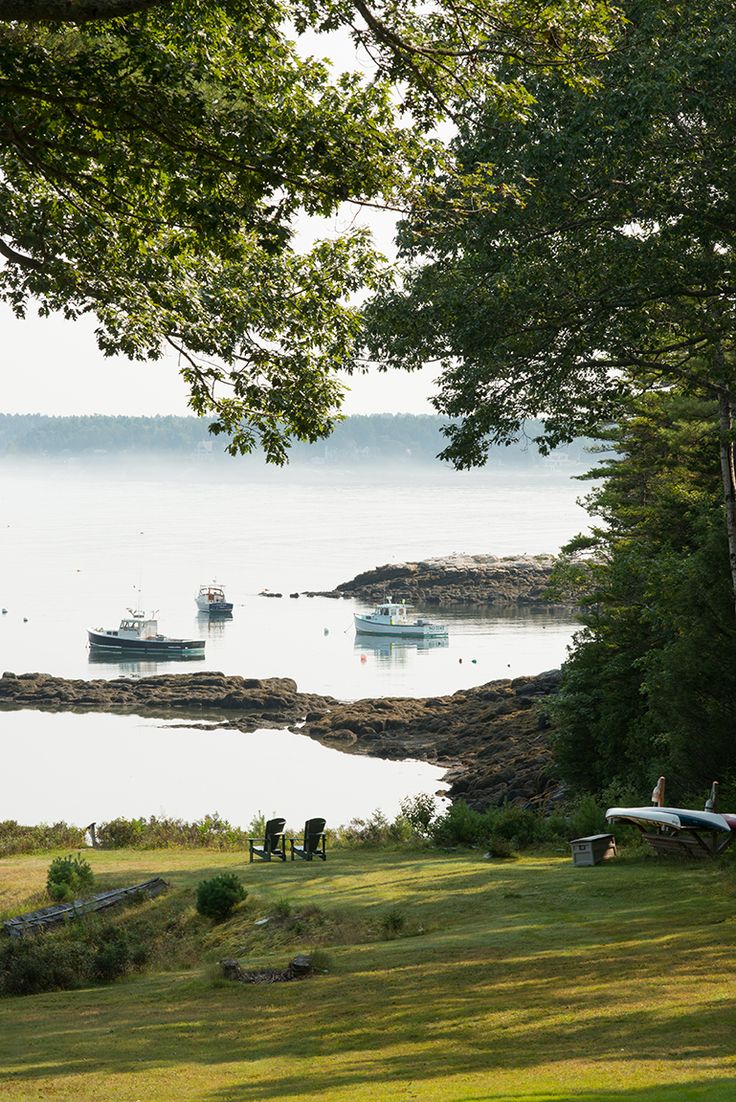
column 155, row 155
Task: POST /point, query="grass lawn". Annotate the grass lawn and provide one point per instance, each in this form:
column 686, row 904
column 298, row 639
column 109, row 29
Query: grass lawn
column 524, row 981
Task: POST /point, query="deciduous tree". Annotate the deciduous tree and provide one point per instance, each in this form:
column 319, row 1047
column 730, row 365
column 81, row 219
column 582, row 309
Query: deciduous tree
column 156, row 154
column 613, row 276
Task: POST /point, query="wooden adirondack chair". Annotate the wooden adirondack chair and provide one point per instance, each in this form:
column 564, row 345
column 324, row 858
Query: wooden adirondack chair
column 314, row 841
column 273, row 844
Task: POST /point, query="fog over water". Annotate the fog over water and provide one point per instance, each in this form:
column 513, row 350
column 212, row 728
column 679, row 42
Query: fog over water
column 78, row 539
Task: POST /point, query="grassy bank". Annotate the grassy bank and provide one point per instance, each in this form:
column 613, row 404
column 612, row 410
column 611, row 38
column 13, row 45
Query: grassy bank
column 525, row 981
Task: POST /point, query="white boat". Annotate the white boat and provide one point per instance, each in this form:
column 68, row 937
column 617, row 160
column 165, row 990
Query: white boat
column 211, row 598
column 390, row 618
column 139, row 634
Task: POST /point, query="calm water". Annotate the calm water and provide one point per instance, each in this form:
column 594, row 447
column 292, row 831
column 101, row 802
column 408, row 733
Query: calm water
column 77, row 540
column 96, row 767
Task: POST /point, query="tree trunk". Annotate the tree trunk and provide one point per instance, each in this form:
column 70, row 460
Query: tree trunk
column 728, row 476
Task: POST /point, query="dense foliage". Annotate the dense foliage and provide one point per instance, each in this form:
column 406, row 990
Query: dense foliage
column 16, row 838
column 613, row 276
column 650, row 687
column 156, row 155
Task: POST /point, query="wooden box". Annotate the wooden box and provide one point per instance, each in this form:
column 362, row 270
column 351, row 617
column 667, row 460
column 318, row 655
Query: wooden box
column 594, row 848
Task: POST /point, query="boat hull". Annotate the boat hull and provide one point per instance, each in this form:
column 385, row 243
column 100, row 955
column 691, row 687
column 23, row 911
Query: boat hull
column 417, row 630
column 214, row 608
column 105, row 641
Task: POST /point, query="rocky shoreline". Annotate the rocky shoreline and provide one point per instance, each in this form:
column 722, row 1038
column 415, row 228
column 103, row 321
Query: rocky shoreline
column 493, row 740
column 454, row 579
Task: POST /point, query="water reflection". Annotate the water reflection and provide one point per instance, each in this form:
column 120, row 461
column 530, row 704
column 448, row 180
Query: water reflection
column 172, row 769
column 396, row 650
column 135, row 667
column 212, row 624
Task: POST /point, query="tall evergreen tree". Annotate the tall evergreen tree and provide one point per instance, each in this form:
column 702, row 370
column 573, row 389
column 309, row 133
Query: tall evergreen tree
column 650, row 686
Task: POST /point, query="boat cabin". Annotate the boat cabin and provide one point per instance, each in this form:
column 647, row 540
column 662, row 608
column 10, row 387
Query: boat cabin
column 138, row 627
column 390, row 612
column 213, row 593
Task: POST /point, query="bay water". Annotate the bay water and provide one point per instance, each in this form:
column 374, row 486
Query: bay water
column 82, row 540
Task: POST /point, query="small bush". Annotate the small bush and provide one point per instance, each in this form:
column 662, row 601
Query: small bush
column 113, row 957
column 121, row 833
column 393, row 922
column 499, row 847
column 587, row 817
column 69, row 877
column 515, row 825
column 461, row 825
column 420, row 811
column 321, row 961
column 281, row 909
column 218, row 897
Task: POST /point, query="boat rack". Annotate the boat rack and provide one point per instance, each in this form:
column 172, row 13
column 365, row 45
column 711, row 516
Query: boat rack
column 35, row 922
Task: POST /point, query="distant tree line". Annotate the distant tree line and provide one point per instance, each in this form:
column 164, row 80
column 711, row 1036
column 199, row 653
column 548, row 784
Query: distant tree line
column 376, row 437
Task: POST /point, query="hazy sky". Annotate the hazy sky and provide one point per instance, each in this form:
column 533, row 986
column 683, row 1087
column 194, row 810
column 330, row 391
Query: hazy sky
column 54, row 366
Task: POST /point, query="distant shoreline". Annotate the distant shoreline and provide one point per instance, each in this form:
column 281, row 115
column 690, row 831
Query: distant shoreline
column 378, row 438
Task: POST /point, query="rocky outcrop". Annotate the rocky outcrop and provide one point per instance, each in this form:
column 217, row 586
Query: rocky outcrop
column 454, row 579
column 493, row 740
column 270, row 702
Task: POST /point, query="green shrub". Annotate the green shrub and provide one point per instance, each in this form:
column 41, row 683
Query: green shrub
column 69, row 877
column 499, row 847
column 121, row 833
column 420, row 811
column 461, row 826
column 517, row 825
column 15, row 838
column 393, row 922
column 587, row 817
column 113, row 956
column 281, row 909
column 29, row 966
column 210, row 832
column 321, row 961
column 218, row 897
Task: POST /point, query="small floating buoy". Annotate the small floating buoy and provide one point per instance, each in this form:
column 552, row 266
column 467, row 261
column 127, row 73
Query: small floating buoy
column 363, row 659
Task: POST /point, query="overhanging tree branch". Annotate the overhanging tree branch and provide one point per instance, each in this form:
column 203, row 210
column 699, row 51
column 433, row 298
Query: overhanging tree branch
column 71, row 11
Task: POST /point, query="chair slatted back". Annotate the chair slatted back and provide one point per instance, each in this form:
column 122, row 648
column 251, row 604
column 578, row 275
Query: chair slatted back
column 313, row 828
column 274, row 827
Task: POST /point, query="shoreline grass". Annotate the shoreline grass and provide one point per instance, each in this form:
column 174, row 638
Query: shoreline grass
column 531, row 981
